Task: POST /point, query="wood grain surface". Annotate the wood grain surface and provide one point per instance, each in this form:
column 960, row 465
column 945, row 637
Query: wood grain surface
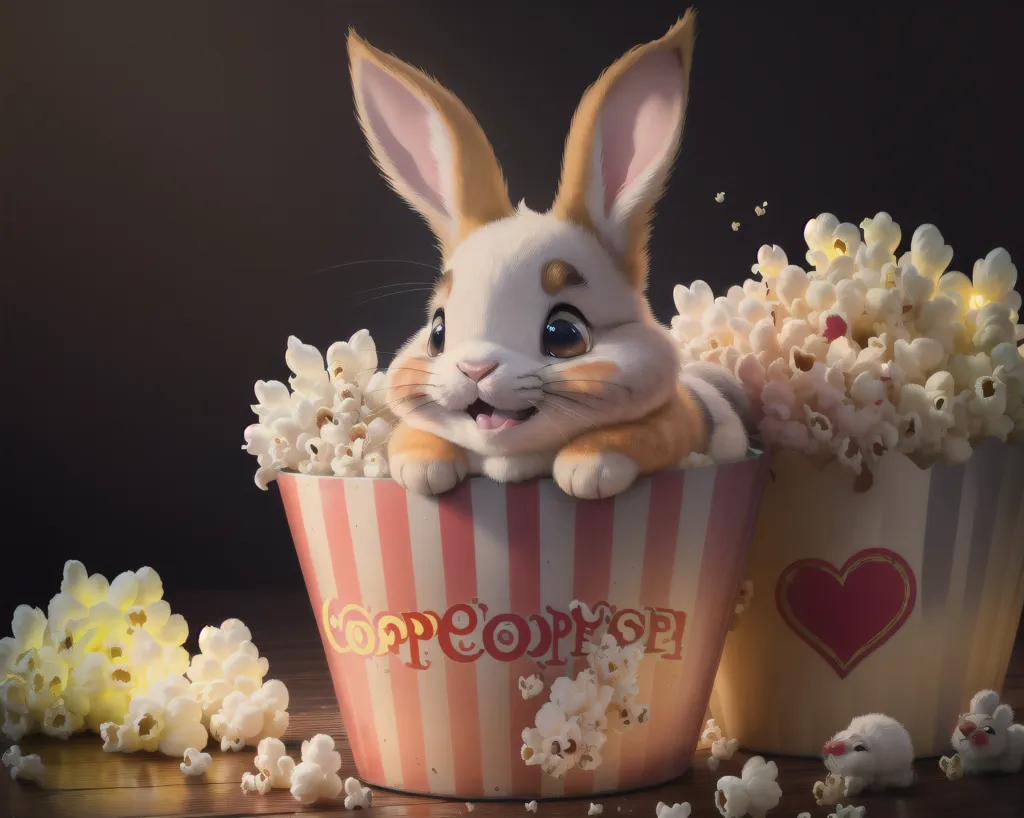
column 81, row 781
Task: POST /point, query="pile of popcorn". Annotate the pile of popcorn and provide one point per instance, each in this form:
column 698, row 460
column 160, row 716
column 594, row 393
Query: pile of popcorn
column 107, row 657
column 571, row 727
column 334, row 420
column 867, row 351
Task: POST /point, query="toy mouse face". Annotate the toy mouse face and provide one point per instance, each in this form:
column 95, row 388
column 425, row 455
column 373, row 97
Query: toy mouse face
column 984, row 735
column 849, row 754
column 538, row 327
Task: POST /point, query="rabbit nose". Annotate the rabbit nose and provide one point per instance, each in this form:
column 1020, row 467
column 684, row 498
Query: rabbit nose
column 834, row 748
column 967, row 727
column 476, row 372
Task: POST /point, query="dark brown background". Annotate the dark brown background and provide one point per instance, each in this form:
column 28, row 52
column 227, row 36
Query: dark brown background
column 172, row 173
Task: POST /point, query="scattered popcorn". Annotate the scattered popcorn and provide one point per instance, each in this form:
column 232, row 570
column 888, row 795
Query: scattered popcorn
column 165, row 718
column 711, row 732
column 720, row 197
column 531, row 806
column 316, row 776
column 195, row 763
column 722, row 749
column 470, row 807
column 754, row 793
column 25, row 768
column 255, row 782
column 867, row 352
column 848, row 812
column 272, row 761
column 595, row 809
column 245, row 720
column 735, row 226
column 356, row 795
column 663, row 810
column 531, row 686
column 829, row 792
column 334, row 419
column 952, row 768
column 759, row 210
column 78, row 665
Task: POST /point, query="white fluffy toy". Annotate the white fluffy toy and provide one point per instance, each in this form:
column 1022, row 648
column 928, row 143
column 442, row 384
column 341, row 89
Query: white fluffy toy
column 874, row 752
column 985, row 739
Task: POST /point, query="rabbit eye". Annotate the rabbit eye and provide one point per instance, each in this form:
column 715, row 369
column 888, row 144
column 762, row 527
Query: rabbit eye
column 990, row 730
column 859, row 748
column 566, row 334
column 435, row 341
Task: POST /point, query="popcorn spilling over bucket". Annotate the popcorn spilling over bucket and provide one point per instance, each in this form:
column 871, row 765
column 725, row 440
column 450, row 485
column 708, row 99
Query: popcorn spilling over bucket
column 903, row 600
column 432, row 609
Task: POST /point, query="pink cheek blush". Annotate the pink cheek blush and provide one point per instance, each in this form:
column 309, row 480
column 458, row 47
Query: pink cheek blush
column 979, row 739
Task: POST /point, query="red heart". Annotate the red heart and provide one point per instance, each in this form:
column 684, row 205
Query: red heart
column 847, row 614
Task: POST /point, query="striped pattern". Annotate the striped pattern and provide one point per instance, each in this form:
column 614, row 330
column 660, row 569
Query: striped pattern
column 960, row 530
column 675, row 541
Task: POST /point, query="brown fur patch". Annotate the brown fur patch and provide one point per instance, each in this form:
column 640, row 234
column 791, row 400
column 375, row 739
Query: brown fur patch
column 419, row 445
column 659, row 441
column 571, row 201
column 596, row 379
column 556, row 275
column 407, row 377
column 481, row 194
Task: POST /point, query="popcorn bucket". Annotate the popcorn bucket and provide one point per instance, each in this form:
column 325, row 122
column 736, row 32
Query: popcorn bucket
column 903, row 600
column 431, row 609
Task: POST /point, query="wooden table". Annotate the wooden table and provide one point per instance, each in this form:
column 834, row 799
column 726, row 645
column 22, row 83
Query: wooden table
column 81, row 781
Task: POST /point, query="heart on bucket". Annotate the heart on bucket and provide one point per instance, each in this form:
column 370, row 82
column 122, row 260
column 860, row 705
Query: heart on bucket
column 846, row 614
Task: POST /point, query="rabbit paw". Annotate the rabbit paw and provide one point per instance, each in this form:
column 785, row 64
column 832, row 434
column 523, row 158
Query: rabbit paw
column 429, row 477
column 593, row 476
column 952, row 767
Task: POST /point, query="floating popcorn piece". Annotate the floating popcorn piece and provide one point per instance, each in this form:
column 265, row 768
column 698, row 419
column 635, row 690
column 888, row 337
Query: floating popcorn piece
column 595, row 809
column 848, row 812
column 829, row 792
column 759, row 210
column 273, row 762
column 255, row 782
column 23, row 767
column 720, row 197
column 356, row 795
column 531, row 686
column 755, row 792
column 735, row 226
column 663, row 810
column 531, row 806
column 195, row 762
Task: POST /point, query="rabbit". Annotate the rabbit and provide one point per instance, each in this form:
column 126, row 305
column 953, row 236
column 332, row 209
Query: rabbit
column 985, row 739
column 874, row 752
column 541, row 355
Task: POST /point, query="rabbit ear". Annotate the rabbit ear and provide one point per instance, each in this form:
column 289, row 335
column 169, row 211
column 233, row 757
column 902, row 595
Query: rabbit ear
column 428, row 145
column 1003, row 716
column 985, row 702
column 623, row 142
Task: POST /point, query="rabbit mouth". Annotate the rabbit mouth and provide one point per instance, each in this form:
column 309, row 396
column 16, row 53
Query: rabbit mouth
column 491, row 419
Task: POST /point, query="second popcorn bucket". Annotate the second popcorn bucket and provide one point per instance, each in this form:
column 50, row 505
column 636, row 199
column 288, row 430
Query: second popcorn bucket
column 432, row 610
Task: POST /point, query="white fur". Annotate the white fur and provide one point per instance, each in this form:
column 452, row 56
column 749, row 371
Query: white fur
column 593, row 478
column 1003, row 750
column 887, row 761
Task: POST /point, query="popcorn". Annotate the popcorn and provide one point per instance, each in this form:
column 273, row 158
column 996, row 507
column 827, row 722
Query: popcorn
column 830, row 791
column 595, row 809
column 663, row 810
column 195, row 763
column 255, row 782
column 720, row 197
column 735, row 226
column 274, row 763
column 227, row 662
column 760, row 211
column 722, row 749
column 166, row 719
column 531, row 806
column 711, row 733
column 754, row 793
column 26, row 768
column 470, row 807
column 867, row 351
column 848, row 812
column 334, row 403
column 804, row 815
column 245, row 720
column 316, row 776
column 357, row 796
column 531, row 686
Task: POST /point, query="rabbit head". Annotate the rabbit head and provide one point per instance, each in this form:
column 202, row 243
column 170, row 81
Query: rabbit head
column 538, row 327
column 983, row 732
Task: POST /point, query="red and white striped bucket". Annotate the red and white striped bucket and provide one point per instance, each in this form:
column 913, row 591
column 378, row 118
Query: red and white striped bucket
column 431, row 609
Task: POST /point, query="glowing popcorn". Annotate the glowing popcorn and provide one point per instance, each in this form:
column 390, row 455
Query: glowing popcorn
column 356, row 795
column 316, row 776
column 25, row 768
column 314, row 424
column 663, row 810
column 871, row 350
column 245, row 720
column 531, row 686
column 195, row 763
column 273, row 762
column 166, row 719
column 754, row 793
